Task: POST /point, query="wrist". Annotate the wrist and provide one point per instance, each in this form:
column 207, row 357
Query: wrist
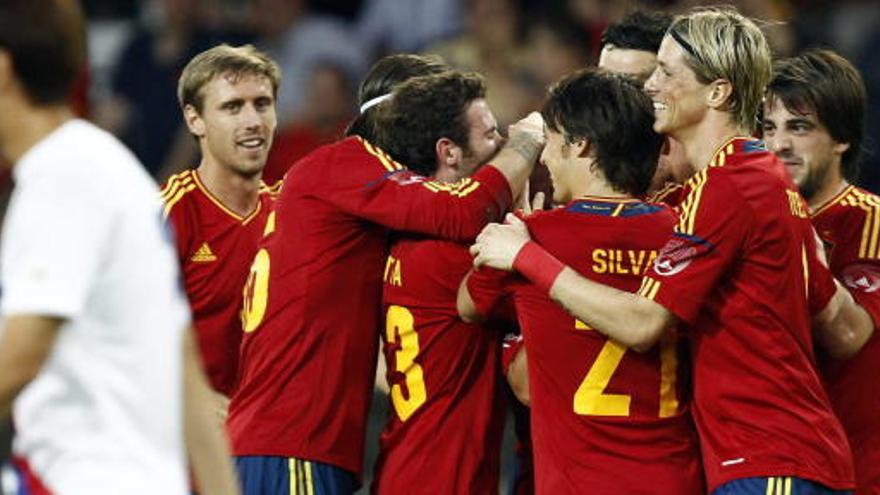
column 538, row 266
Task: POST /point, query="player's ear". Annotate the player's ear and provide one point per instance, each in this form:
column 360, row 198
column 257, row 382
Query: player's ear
column 448, row 153
column 582, row 147
column 840, row 148
column 194, row 121
column 719, row 94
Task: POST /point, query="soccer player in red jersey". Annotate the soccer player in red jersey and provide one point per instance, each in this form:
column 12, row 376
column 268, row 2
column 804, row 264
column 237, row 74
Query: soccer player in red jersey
column 629, row 47
column 442, row 372
column 312, row 302
column 739, row 270
column 219, row 210
column 814, row 122
column 599, row 413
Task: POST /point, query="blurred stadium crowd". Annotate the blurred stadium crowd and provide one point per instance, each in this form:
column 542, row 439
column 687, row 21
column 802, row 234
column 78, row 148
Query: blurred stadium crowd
column 138, row 48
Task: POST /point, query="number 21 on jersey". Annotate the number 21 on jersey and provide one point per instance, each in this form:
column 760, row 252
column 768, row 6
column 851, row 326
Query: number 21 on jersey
column 591, row 399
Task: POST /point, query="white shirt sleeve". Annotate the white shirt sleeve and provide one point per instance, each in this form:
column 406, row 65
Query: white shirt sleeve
column 56, row 234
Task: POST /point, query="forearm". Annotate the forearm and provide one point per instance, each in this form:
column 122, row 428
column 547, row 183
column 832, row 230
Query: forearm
column 516, row 160
column 467, row 310
column 26, row 344
column 843, row 327
column 518, row 377
column 628, row 318
column 205, row 439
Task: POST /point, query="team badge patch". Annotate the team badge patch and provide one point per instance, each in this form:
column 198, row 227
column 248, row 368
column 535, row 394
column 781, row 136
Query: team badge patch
column 679, row 252
column 862, row 277
column 405, row 177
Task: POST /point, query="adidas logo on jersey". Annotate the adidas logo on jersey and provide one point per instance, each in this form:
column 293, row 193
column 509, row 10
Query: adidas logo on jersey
column 203, row 254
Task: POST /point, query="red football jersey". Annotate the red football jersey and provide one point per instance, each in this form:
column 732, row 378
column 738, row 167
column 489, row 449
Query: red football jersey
column 604, row 418
column 215, row 247
column 736, row 269
column 848, row 225
column 444, row 376
column 313, row 301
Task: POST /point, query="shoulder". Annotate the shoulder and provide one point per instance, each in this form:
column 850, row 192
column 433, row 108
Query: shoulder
column 80, row 158
column 177, row 191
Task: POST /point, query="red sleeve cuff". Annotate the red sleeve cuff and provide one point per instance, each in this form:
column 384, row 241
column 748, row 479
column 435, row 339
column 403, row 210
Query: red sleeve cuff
column 496, row 184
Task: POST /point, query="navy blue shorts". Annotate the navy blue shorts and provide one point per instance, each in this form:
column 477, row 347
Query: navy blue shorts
column 776, row 485
column 271, row 475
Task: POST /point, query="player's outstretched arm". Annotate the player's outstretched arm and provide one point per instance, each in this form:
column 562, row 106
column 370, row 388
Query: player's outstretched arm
column 521, row 151
column 630, row 319
column 844, row 326
column 26, row 343
column 206, row 442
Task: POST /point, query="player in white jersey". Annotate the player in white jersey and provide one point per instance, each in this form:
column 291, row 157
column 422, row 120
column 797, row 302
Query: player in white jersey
column 96, row 357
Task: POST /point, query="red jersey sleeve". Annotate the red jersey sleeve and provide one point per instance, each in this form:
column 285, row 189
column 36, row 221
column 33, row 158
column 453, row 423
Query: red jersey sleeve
column 369, row 184
column 490, row 291
column 710, row 231
column 821, row 286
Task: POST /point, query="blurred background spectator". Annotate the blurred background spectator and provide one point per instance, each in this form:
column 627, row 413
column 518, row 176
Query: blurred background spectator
column 324, row 47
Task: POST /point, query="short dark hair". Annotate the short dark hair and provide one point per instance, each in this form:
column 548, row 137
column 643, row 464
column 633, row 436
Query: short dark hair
column 638, row 30
column 616, row 116
column 46, row 42
column 383, row 77
column 825, row 82
column 423, row 110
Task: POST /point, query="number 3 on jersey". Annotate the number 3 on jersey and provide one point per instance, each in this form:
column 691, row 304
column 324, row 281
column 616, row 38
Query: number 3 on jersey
column 256, row 292
column 399, row 324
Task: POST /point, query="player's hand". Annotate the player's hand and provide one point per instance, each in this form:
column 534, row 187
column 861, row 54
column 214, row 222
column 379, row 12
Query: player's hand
column 526, row 207
column 498, row 244
column 530, row 129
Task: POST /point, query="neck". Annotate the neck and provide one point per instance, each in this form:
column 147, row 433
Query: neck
column 237, row 192
column 829, row 190
column 701, row 142
column 589, row 181
column 30, row 125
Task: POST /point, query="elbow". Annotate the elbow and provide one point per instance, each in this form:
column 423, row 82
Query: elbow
column 847, row 343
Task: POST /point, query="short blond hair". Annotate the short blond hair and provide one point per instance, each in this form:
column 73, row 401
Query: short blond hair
column 720, row 43
column 220, row 60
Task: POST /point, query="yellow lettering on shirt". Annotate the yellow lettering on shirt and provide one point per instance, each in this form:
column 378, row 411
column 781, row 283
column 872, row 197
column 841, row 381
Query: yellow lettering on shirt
column 392, row 272
column 622, row 261
column 796, row 204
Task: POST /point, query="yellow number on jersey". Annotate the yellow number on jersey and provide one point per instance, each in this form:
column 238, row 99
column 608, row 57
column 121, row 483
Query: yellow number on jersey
column 590, row 398
column 256, row 292
column 399, row 323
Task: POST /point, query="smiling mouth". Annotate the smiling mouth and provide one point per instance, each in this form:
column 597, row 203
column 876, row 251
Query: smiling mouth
column 659, row 107
column 252, row 143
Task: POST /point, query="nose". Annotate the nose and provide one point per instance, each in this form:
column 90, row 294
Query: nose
column 779, row 142
column 250, row 117
column 651, row 83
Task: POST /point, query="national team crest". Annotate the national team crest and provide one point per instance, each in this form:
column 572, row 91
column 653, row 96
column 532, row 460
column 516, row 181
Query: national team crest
column 679, row 252
column 862, row 277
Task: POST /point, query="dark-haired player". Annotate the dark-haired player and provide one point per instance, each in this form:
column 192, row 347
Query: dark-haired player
column 443, row 373
column 814, row 122
column 603, row 418
column 312, row 301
